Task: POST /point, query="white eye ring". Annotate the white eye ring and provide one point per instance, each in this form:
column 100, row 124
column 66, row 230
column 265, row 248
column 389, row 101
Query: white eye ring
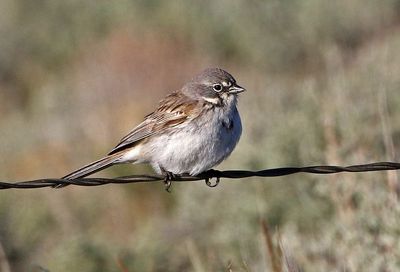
column 217, row 87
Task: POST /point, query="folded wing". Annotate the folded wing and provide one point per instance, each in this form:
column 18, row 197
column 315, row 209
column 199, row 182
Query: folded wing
column 172, row 111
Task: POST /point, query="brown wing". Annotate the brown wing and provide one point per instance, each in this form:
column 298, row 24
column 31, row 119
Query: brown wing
column 172, row 111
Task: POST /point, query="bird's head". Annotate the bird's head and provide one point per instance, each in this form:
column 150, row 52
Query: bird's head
column 213, row 85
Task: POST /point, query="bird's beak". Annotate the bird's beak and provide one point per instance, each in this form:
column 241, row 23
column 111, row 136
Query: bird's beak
column 236, row 89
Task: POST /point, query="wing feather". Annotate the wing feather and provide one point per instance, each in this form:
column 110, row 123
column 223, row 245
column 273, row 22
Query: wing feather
column 172, row 111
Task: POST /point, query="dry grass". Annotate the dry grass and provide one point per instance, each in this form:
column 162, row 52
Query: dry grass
column 323, row 81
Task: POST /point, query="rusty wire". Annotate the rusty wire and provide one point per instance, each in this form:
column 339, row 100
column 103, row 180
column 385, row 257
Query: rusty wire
column 230, row 174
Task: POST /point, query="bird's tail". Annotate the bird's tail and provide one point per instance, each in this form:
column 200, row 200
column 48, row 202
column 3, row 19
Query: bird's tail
column 92, row 168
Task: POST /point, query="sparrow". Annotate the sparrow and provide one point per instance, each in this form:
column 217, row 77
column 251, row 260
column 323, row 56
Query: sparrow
column 192, row 130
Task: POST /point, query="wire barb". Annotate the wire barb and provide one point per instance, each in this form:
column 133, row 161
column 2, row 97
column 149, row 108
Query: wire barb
column 230, row 174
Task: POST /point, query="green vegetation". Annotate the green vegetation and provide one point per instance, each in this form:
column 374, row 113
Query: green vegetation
column 323, row 82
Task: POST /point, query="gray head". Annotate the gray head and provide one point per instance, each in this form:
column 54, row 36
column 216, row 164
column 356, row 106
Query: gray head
column 212, row 85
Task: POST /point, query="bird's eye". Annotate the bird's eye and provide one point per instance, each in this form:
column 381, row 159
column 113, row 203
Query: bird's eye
column 217, row 87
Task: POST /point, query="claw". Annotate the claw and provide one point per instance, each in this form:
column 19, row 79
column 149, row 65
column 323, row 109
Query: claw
column 168, row 181
column 212, row 173
column 167, row 184
column 209, row 183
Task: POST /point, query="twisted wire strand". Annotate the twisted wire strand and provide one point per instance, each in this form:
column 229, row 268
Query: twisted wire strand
column 229, row 174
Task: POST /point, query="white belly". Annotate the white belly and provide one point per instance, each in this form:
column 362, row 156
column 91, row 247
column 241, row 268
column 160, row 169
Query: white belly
column 197, row 147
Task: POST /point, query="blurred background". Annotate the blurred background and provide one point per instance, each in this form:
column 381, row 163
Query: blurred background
column 323, row 81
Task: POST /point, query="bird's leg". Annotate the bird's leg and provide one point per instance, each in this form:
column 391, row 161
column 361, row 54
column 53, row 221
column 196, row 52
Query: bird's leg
column 168, row 177
column 212, row 173
column 168, row 181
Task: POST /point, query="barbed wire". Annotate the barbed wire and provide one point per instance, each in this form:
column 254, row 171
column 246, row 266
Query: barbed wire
column 206, row 176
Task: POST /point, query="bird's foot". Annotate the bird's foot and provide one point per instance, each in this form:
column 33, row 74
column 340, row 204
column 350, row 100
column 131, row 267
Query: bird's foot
column 168, row 177
column 212, row 174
